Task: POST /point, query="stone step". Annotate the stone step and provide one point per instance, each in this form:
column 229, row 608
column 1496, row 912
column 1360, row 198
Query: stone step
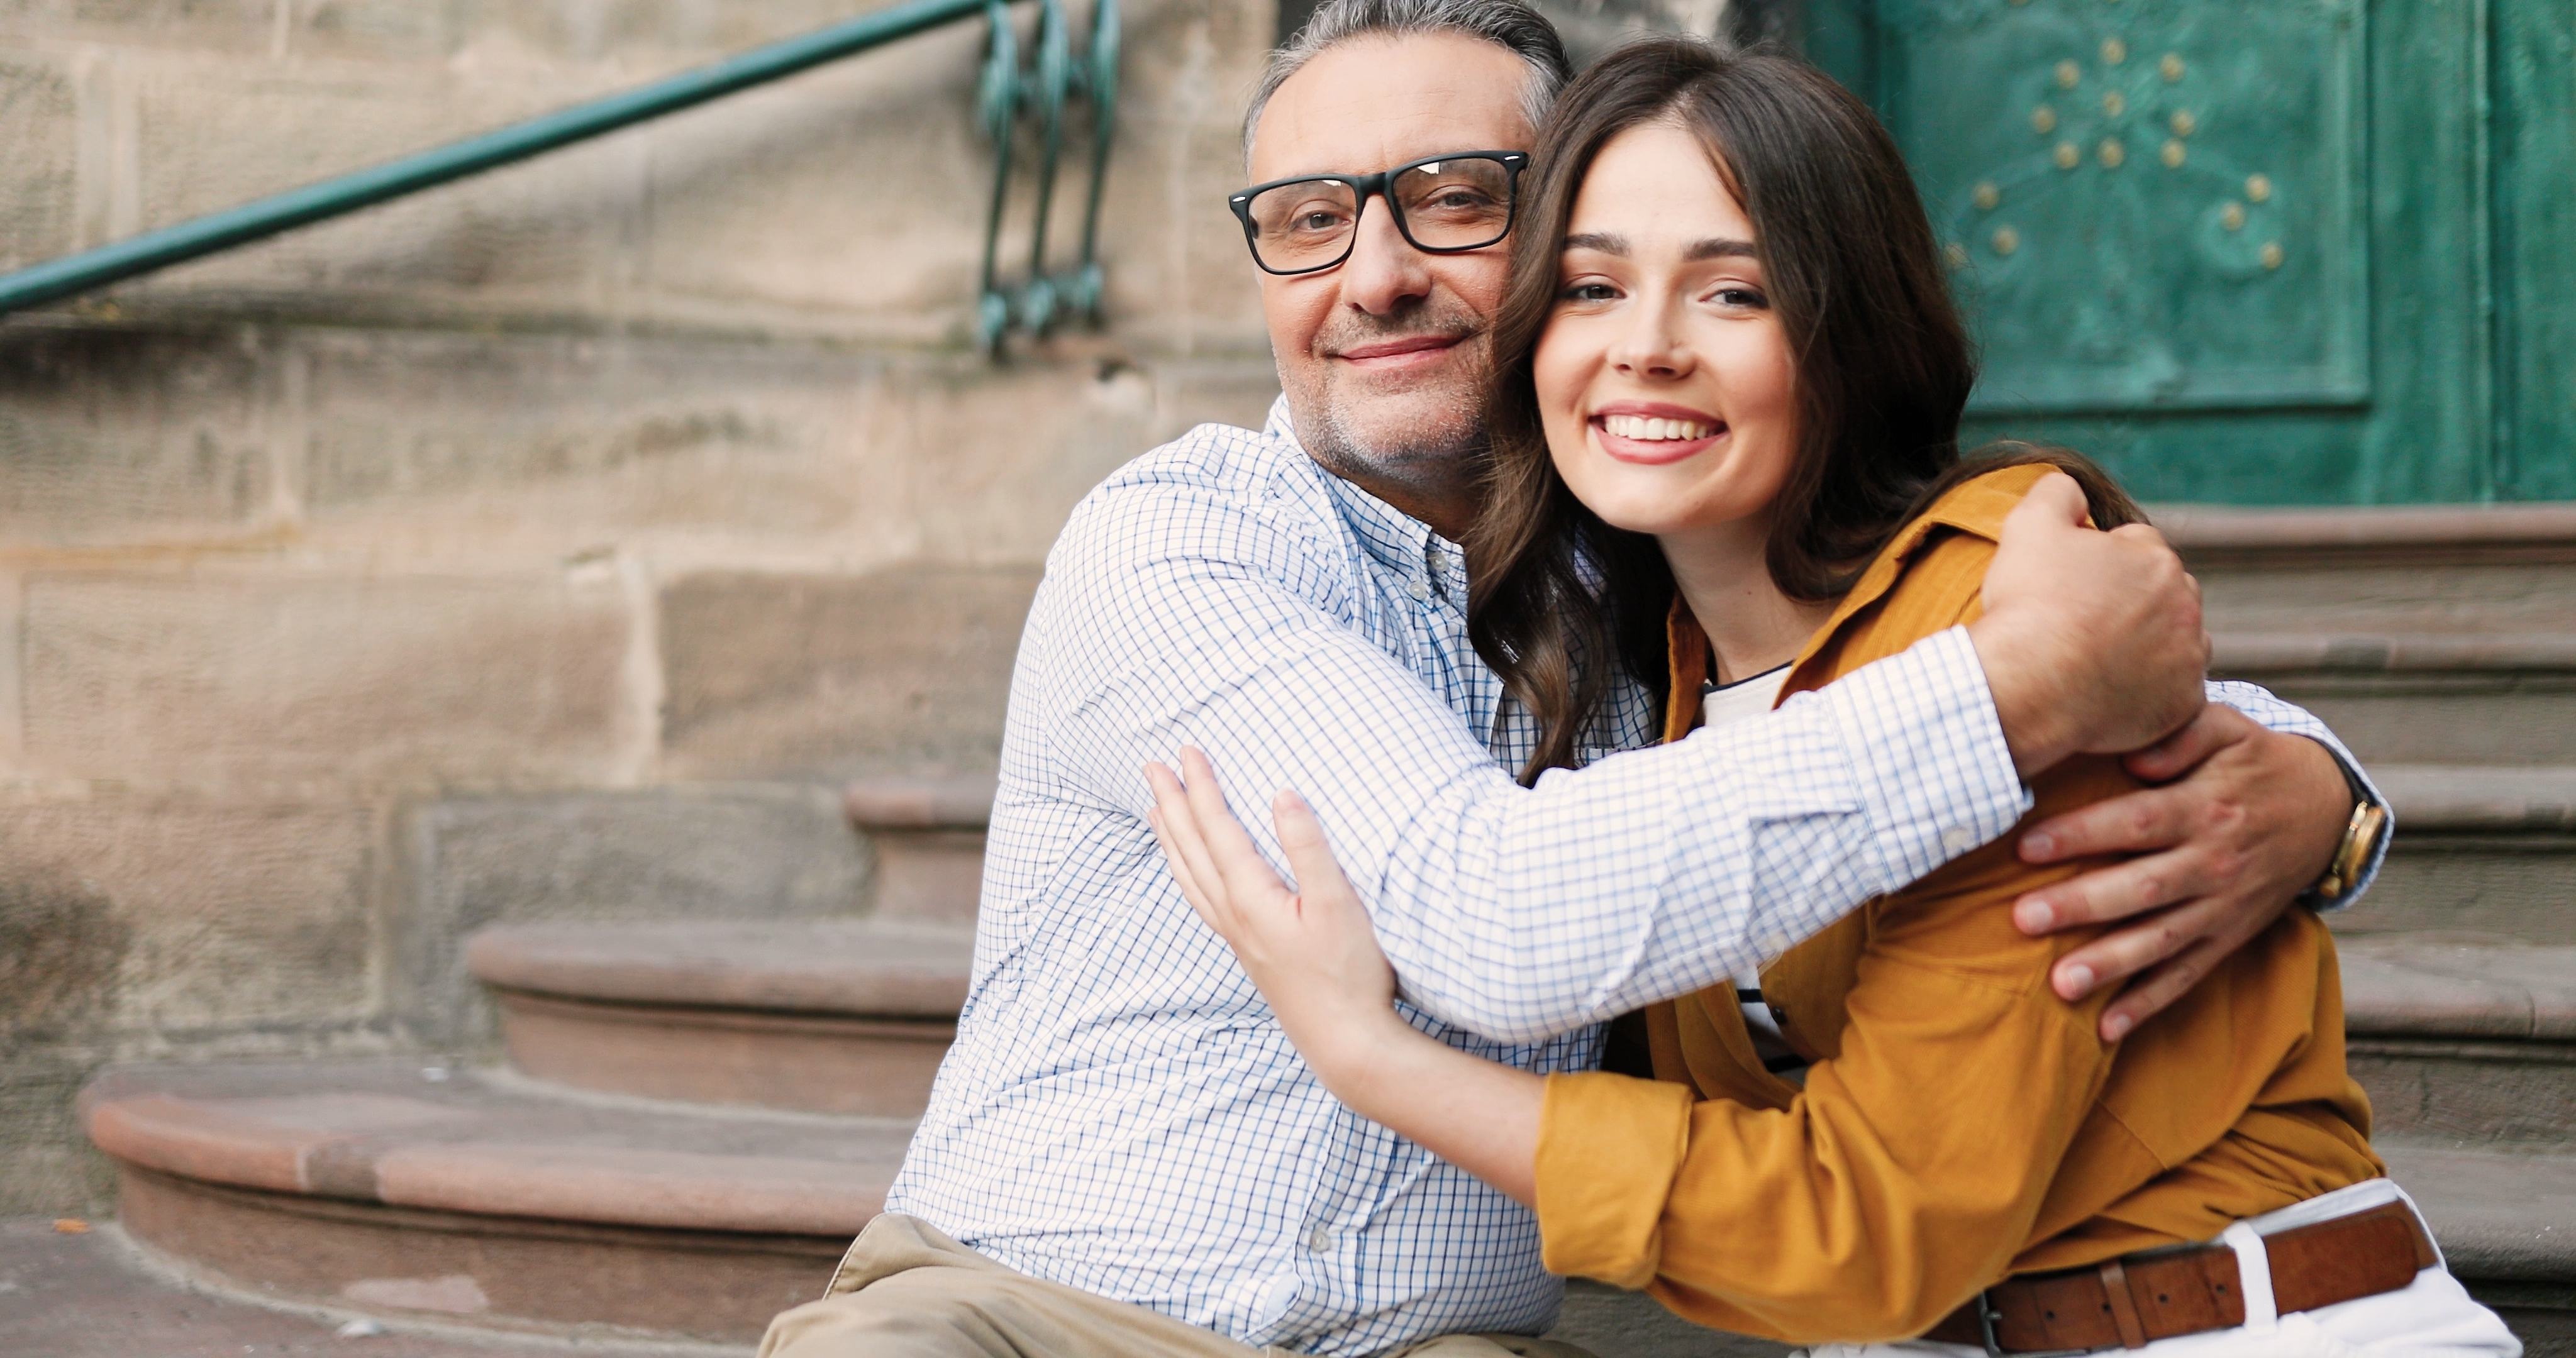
column 474, row 1196
column 471, row 1198
column 2481, row 852
column 2462, row 1045
column 2507, row 1226
column 2442, row 634
column 842, row 1017
column 2506, row 698
column 929, row 838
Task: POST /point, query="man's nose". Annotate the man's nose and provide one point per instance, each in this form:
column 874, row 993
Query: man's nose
column 1384, row 272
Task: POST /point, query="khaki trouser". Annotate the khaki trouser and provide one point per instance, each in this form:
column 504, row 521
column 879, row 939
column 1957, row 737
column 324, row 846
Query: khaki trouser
column 906, row 1291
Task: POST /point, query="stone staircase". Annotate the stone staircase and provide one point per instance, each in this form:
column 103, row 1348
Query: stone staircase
column 692, row 1121
column 694, row 1117
column 2441, row 643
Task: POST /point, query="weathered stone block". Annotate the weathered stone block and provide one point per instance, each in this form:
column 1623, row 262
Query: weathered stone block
column 555, row 444
column 341, row 680
column 873, row 181
column 134, row 433
column 39, row 162
column 131, row 924
column 699, row 853
column 996, row 461
column 835, row 675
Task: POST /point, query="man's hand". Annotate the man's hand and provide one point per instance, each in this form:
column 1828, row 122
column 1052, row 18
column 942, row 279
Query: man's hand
column 2092, row 642
column 2253, row 821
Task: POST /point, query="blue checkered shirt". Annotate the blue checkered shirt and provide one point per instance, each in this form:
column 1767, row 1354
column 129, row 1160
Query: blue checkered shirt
column 1122, row 1114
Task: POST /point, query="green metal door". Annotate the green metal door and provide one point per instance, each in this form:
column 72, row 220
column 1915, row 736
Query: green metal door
column 2277, row 252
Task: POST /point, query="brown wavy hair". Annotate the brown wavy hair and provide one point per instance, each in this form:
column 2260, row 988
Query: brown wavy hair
column 1560, row 601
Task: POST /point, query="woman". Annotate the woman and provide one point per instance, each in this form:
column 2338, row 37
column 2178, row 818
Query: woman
column 1729, row 381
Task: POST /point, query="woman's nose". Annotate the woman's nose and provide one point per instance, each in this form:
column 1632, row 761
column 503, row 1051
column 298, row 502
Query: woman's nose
column 1652, row 346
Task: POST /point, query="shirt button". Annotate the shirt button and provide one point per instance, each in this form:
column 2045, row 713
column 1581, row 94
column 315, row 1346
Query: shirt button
column 1419, row 588
column 1320, row 1241
column 1956, row 839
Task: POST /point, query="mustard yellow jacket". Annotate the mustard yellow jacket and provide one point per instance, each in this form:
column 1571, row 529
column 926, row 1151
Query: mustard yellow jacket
column 1960, row 1123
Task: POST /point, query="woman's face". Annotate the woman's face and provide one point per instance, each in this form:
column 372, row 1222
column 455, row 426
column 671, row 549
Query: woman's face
column 1664, row 379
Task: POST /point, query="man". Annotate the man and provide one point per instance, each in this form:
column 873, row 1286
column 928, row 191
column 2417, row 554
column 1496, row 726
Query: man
column 1123, row 1155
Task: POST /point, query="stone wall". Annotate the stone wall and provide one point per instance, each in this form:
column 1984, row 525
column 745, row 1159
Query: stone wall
column 546, row 545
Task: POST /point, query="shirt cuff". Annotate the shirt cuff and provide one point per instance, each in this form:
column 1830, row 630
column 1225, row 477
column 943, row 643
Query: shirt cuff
column 1935, row 774
column 1609, row 1147
column 2272, row 714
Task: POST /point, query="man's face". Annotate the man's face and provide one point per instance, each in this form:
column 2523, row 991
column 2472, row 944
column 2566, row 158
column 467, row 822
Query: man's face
column 1384, row 358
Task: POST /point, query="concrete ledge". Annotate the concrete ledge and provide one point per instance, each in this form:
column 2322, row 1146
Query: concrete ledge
column 809, row 967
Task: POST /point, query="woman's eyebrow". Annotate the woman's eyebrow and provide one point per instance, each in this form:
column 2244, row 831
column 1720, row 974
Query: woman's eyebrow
column 1610, row 243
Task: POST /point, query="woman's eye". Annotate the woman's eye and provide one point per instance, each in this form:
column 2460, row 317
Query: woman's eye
column 1742, row 297
column 1591, row 292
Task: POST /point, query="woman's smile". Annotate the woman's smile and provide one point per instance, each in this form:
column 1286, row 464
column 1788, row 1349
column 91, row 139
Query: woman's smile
column 1653, row 434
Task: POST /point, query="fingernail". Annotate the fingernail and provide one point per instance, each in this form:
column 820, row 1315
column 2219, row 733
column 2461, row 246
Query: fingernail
column 2116, row 1027
column 2038, row 845
column 2079, row 979
column 2034, row 917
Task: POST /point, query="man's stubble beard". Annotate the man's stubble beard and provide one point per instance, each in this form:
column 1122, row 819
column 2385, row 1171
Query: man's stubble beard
column 1420, row 442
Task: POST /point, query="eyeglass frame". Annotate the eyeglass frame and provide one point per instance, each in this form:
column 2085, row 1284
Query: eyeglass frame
column 1367, row 186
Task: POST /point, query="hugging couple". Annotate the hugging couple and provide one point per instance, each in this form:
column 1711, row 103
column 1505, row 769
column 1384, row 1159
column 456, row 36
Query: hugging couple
column 1945, row 979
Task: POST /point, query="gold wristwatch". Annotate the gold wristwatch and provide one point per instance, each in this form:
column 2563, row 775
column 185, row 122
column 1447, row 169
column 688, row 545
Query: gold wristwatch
column 2360, row 838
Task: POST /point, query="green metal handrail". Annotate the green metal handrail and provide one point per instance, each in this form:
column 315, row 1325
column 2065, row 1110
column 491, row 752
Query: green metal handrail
column 1001, row 98
column 1003, row 93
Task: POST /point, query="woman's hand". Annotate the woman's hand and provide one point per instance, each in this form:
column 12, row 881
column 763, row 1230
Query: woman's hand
column 1310, row 951
column 1316, row 959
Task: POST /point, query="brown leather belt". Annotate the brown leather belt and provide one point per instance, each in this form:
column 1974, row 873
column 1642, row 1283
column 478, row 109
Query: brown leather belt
column 2130, row 1301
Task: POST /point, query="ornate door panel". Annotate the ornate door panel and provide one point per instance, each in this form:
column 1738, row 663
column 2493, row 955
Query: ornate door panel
column 2277, row 252
column 2149, row 204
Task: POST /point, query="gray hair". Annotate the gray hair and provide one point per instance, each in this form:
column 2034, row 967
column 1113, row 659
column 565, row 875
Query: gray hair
column 1509, row 24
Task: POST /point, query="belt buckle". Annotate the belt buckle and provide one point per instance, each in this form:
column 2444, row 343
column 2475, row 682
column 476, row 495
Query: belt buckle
column 1987, row 1315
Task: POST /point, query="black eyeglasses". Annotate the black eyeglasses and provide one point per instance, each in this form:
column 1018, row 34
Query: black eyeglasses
column 1442, row 204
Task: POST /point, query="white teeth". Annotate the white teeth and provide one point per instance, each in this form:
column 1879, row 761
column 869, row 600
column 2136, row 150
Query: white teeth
column 1654, row 431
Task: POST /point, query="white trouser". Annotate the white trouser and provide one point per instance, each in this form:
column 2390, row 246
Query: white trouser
column 2433, row 1316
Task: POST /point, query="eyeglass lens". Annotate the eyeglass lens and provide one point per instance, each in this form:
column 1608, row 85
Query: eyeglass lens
column 1459, row 204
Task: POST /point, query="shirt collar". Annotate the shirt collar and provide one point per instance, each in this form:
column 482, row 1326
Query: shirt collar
column 1397, row 541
